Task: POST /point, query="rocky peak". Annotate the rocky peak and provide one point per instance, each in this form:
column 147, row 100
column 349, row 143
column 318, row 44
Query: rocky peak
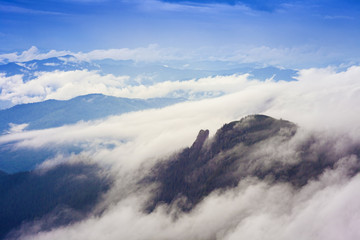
column 250, row 147
column 200, row 139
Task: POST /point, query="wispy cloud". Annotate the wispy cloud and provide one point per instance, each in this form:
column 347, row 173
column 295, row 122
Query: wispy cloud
column 150, row 53
column 287, row 56
column 22, row 10
column 235, row 5
column 194, row 6
column 31, row 54
column 338, row 17
column 86, row 1
column 297, row 56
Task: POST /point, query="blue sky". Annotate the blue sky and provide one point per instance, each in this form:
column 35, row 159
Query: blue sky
column 327, row 28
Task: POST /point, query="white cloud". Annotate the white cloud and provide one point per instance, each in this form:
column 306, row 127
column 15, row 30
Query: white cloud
column 16, row 128
column 51, row 64
column 290, row 57
column 322, row 99
column 58, row 85
column 150, row 53
column 297, row 56
column 254, row 210
column 31, row 54
column 65, row 85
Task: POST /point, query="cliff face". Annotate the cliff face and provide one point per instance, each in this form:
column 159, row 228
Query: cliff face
column 256, row 146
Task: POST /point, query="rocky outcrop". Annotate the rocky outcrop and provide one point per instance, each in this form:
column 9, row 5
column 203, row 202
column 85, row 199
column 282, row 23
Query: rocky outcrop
column 257, row 146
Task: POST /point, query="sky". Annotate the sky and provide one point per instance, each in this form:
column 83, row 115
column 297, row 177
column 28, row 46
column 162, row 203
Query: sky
column 320, row 32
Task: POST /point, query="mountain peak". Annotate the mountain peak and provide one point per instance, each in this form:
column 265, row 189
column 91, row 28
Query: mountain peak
column 200, row 139
column 196, row 171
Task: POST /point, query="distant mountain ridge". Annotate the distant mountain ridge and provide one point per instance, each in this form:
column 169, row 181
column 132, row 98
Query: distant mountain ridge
column 29, row 68
column 149, row 72
column 55, row 113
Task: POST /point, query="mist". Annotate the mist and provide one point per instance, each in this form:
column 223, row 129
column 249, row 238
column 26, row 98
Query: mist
column 322, row 103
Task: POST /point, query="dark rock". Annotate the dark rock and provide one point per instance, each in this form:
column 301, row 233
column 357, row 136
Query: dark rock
column 233, row 154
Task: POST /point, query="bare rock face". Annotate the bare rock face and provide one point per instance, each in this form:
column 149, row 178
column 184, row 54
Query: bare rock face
column 256, row 146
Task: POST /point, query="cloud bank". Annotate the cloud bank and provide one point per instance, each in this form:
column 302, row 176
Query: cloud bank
column 65, row 85
column 323, row 209
column 322, row 102
column 57, row 85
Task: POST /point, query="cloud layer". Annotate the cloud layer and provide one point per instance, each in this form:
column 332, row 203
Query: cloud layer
column 290, row 57
column 324, row 209
column 65, row 85
column 322, row 102
column 150, row 53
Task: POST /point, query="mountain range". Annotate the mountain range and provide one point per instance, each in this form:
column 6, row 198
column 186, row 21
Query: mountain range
column 55, row 113
column 251, row 148
column 148, row 72
column 29, row 68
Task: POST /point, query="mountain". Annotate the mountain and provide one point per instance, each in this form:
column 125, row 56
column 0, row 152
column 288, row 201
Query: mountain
column 29, row 68
column 55, row 113
column 254, row 147
column 179, row 70
column 62, row 195
column 13, row 160
column 273, row 72
column 149, row 73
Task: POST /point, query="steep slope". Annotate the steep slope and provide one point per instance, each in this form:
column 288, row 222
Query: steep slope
column 255, row 146
column 66, row 194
